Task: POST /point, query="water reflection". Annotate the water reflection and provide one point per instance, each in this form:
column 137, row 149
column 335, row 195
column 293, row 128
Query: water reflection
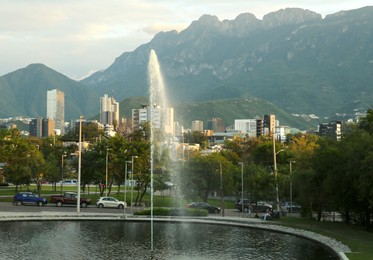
column 131, row 240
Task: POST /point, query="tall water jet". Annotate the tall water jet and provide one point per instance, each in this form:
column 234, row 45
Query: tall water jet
column 159, row 123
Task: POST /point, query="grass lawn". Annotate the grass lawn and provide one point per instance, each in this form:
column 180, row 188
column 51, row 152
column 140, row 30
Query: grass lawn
column 359, row 240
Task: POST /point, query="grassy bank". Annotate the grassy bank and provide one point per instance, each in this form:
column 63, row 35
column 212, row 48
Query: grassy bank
column 359, row 240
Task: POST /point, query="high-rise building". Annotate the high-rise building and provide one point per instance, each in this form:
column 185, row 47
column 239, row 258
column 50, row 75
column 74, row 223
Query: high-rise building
column 246, row 126
column 259, row 127
column 109, row 111
column 331, row 129
column 216, row 124
column 269, row 124
column 41, row 127
column 163, row 118
column 56, row 109
column 197, row 125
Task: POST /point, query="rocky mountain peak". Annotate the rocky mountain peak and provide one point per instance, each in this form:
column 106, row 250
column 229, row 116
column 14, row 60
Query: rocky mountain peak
column 290, row 16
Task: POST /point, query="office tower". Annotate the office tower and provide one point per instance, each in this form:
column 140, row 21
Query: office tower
column 269, row 124
column 163, row 118
column 56, row 109
column 216, row 124
column 109, row 111
column 331, row 129
column 197, row 125
column 246, row 126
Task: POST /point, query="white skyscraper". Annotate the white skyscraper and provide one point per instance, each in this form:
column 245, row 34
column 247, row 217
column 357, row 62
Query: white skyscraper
column 56, row 109
column 162, row 118
column 247, row 126
column 109, row 111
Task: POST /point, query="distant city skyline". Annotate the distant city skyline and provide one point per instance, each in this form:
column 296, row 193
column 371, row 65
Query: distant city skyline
column 78, row 38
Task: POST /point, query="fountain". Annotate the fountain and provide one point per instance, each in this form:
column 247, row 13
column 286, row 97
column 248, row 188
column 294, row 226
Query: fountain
column 161, row 122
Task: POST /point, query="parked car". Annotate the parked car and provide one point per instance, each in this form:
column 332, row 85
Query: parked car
column 259, row 206
column 204, row 205
column 69, row 198
column 28, row 198
column 291, row 207
column 246, row 205
column 110, row 202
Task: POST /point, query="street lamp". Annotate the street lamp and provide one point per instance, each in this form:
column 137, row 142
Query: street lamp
column 107, row 171
column 62, row 156
column 275, row 170
column 133, row 157
column 291, row 188
column 79, row 164
column 242, row 204
column 125, row 186
column 221, row 191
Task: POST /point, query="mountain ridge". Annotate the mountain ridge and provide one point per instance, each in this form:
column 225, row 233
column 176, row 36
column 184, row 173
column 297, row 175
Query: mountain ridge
column 293, row 58
column 298, row 56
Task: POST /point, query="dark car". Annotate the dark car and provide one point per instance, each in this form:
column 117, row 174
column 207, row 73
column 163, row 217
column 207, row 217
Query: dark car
column 204, row 205
column 28, row 198
column 246, row 205
column 259, row 206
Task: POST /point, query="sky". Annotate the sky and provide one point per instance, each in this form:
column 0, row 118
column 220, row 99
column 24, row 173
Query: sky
column 79, row 37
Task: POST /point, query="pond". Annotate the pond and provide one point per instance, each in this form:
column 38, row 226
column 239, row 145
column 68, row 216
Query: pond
column 131, row 240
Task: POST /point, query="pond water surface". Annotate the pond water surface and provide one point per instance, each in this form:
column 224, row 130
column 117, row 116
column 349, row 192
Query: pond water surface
column 131, row 240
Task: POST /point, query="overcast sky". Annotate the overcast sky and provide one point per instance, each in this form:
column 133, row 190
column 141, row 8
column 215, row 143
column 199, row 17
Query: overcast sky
column 78, row 37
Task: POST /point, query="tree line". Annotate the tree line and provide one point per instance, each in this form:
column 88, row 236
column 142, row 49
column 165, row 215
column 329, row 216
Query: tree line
column 321, row 174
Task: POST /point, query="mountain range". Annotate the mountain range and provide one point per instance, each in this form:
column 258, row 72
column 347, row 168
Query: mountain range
column 292, row 61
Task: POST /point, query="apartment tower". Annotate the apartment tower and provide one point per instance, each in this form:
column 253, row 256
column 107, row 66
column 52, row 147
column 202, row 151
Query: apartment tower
column 56, row 109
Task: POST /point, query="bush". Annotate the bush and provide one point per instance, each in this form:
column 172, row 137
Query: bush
column 173, row 212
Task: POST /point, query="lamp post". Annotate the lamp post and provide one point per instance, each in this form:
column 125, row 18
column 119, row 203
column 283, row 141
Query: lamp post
column 125, row 186
column 291, row 188
column 242, row 204
column 62, row 156
column 79, row 164
column 133, row 158
column 275, row 171
column 221, row 191
column 107, row 171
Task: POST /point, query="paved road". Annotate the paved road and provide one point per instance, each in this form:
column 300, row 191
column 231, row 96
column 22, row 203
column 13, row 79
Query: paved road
column 7, row 207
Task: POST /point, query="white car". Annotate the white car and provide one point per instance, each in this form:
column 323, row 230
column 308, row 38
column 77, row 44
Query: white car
column 110, row 202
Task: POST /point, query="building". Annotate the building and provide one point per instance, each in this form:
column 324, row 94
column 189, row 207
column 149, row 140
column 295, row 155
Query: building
column 163, row 118
column 246, row 126
column 109, row 111
column 216, row 124
column 41, row 127
column 139, row 116
column 259, row 127
column 56, row 109
column 282, row 132
column 197, row 125
column 331, row 129
column 269, row 124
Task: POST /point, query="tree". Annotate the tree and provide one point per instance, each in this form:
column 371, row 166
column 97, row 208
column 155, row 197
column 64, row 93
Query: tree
column 23, row 160
column 196, row 137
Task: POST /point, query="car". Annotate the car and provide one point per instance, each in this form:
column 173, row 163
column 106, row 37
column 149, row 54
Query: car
column 246, row 205
column 28, row 198
column 69, row 198
column 110, row 202
column 259, row 206
column 291, row 207
column 204, row 205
